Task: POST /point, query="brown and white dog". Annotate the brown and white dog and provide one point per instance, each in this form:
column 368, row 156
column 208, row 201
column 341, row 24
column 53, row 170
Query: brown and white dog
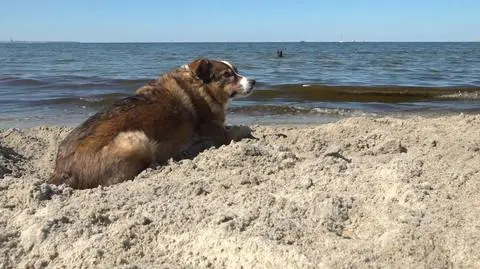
column 164, row 119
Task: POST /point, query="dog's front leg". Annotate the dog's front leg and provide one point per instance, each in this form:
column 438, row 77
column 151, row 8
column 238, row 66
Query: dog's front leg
column 222, row 135
column 215, row 132
column 239, row 132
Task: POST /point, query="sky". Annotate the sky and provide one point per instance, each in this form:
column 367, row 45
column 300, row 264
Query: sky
column 239, row 21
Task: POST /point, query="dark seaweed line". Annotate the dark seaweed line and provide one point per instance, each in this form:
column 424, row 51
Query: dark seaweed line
column 384, row 94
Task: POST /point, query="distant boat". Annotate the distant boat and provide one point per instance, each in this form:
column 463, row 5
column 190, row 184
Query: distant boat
column 303, row 41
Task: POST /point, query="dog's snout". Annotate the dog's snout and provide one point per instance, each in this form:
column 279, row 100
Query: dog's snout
column 252, row 81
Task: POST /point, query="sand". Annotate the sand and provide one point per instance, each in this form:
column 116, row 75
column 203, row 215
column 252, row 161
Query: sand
column 359, row 193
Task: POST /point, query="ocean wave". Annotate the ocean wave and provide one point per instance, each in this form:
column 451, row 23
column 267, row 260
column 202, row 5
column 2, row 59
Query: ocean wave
column 99, row 102
column 94, row 101
column 73, row 82
column 14, row 81
column 474, row 95
column 64, row 61
column 260, row 110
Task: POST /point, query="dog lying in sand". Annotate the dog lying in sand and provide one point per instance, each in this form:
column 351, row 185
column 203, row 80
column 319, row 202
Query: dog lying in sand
column 167, row 118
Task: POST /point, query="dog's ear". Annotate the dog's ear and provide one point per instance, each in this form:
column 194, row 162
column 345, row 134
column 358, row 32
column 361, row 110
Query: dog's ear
column 202, row 68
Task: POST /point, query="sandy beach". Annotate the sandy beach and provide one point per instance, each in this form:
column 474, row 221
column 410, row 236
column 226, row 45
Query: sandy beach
column 363, row 192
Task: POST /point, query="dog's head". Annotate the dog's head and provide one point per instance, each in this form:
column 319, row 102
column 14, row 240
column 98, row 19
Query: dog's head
column 222, row 77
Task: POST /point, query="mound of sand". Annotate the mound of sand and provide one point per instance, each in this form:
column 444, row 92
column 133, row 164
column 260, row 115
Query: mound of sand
column 360, row 193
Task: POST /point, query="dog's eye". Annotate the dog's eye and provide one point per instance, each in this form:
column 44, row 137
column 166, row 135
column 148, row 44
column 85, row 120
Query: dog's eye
column 227, row 74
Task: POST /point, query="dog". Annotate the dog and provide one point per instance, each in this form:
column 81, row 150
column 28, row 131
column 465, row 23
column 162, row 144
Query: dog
column 169, row 117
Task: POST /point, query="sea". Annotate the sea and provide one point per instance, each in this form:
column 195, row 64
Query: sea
column 56, row 83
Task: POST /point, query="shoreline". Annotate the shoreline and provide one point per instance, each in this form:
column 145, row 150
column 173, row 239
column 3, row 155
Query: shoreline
column 269, row 115
column 360, row 192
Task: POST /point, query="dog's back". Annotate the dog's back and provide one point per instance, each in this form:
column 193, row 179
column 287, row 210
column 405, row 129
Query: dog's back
column 115, row 145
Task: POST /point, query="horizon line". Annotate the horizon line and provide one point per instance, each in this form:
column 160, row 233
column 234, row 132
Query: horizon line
column 300, row 41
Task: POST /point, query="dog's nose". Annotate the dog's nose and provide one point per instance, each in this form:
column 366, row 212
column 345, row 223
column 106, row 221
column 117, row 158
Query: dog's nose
column 253, row 82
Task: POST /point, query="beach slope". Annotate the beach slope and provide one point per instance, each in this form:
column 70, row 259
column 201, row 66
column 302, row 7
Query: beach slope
column 360, row 193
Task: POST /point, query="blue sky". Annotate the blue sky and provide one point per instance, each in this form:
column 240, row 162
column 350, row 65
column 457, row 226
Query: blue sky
column 202, row 20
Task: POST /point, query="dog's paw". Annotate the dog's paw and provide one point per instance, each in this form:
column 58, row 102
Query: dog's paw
column 237, row 133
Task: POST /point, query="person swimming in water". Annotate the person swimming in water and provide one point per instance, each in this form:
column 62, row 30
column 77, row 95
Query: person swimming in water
column 280, row 53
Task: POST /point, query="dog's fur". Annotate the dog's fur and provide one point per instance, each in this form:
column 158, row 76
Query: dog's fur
column 167, row 118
